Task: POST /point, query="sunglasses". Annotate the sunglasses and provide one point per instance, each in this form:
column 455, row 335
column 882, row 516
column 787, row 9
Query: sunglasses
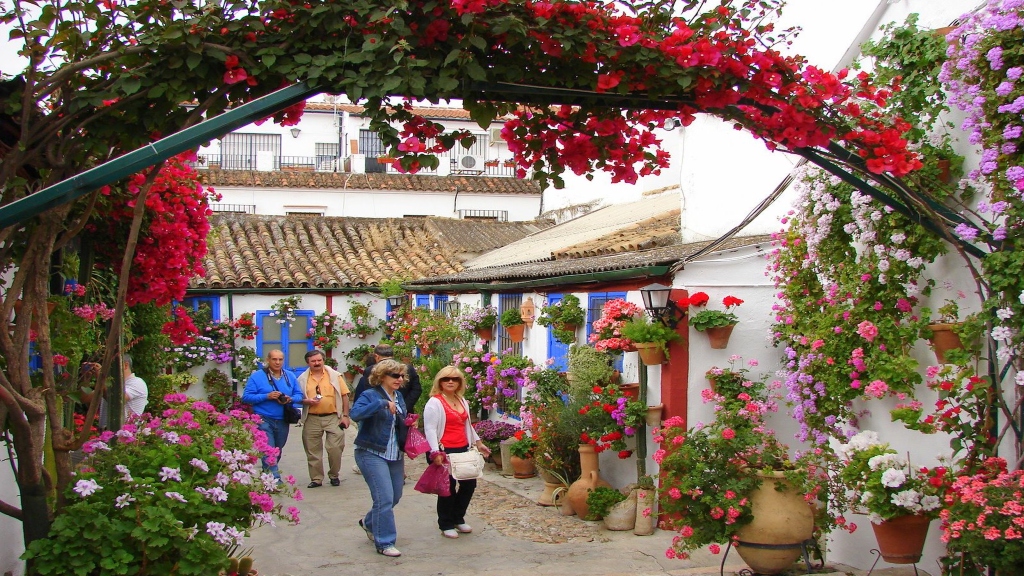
column 449, row 379
column 396, row 375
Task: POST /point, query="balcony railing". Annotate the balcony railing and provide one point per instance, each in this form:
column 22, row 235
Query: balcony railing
column 380, row 164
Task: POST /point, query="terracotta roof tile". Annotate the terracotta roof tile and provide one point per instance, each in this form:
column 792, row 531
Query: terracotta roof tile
column 256, row 251
column 349, row 181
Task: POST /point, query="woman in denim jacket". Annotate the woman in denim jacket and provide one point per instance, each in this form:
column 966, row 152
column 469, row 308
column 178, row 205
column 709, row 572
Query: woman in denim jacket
column 381, row 414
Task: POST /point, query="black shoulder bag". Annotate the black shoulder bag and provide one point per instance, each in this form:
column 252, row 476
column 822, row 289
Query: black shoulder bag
column 291, row 415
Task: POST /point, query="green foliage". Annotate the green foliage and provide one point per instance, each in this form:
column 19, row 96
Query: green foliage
column 524, row 445
column 511, row 317
column 164, row 384
column 601, row 499
column 911, row 57
column 393, row 286
column 588, row 367
column 556, row 429
column 219, row 391
column 565, row 312
column 150, row 344
column 355, row 359
column 644, row 329
column 246, row 361
column 146, row 504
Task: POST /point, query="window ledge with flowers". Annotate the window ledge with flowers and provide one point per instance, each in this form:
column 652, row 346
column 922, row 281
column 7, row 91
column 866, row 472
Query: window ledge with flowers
column 285, row 308
column 607, row 330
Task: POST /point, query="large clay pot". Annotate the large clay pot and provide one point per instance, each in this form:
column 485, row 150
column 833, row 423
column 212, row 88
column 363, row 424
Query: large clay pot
column 943, row 340
column 523, row 467
column 782, row 520
column 622, row 516
column 719, row 336
column 589, row 479
column 651, row 353
column 516, row 333
column 554, row 490
column 901, row 539
column 643, row 524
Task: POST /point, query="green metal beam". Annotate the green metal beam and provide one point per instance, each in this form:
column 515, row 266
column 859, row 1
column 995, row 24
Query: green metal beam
column 138, row 160
column 552, row 281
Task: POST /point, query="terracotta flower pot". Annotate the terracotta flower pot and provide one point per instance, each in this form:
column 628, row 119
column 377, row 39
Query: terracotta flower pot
column 651, row 353
column 943, row 340
column 653, row 417
column 631, row 390
column 516, row 333
column 901, row 539
column 485, row 333
column 589, row 479
column 783, row 520
column 554, row 490
column 719, row 336
column 643, row 525
column 523, row 467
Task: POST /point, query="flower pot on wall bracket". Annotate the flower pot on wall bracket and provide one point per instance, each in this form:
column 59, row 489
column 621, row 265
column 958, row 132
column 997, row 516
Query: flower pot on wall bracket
column 943, row 340
column 653, row 417
column 631, row 390
column 651, row 353
column 718, row 336
column 901, row 539
column 485, row 333
column 516, row 333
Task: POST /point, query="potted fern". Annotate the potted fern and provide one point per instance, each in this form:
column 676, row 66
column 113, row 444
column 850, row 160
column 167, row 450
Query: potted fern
column 651, row 339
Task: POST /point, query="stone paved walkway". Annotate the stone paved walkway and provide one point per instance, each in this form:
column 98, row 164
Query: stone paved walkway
column 512, row 535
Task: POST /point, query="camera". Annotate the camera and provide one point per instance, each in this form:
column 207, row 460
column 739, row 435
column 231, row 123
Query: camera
column 282, row 399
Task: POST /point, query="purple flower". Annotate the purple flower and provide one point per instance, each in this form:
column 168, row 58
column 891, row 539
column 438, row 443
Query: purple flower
column 966, row 231
column 1015, row 72
column 1011, row 132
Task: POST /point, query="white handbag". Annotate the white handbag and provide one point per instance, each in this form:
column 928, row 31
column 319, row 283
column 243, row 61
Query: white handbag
column 468, row 465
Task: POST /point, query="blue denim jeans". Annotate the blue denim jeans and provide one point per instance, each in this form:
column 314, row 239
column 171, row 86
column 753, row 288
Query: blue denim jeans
column 385, row 479
column 277, row 436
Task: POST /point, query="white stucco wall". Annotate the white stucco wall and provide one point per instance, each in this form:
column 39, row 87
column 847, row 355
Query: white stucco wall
column 11, row 542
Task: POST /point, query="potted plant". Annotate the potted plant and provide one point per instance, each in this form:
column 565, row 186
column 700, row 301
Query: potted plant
column 601, row 499
column 564, row 317
column 356, row 360
column 512, row 322
column 735, row 384
column 361, row 321
column 651, row 338
column 245, row 327
column 607, row 330
column 148, row 487
column 324, row 330
column 284, row 309
column 522, row 451
column 492, row 432
column 900, row 500
column 981, row 521
column 718, row 324
column 481, row 321
column 732, row 480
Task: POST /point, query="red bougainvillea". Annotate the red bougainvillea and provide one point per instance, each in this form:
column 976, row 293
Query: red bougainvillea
column 172, row 242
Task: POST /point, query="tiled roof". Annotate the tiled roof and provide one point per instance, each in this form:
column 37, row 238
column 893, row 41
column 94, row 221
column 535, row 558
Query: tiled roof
column 255, row 251
column 348, row 181
column 595, row 232
column 556, row 269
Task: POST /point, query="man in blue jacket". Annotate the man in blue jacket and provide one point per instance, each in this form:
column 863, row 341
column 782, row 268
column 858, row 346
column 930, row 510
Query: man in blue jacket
column 270, row 391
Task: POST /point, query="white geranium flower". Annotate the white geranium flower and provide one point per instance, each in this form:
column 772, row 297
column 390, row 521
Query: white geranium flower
column 1004, row 313
column 893, row 478
column 1002, row 333
column 1019, row 378
column 929, row 503
column 907, row 499
column 87, row 487
column 883, row 461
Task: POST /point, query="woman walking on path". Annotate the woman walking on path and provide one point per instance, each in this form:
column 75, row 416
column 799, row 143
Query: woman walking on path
column 448, row 429
column 381, row 412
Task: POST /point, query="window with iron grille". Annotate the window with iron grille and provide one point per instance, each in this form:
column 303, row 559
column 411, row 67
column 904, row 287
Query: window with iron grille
column 505, row 302
column 239, row 150
column 595, row 307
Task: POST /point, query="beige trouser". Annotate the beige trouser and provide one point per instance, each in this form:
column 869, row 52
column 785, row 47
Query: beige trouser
column 313, row 431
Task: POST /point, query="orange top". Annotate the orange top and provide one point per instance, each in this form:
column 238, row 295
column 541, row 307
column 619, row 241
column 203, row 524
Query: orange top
column 454, row 426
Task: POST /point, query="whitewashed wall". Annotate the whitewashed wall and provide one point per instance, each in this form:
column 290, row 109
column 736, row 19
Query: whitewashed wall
column 12, row 544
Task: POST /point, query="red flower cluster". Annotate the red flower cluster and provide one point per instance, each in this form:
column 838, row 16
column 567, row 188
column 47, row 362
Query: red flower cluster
column 173, row 239
column 181, row 330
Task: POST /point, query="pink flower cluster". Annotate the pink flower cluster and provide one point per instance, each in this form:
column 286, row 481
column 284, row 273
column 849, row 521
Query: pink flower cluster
column 607, row 330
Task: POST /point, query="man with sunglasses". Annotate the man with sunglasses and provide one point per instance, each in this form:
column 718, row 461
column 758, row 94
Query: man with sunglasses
column 325, row 411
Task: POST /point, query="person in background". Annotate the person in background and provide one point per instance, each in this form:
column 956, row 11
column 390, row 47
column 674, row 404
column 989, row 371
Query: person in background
column 412, row 388
column 381, row 412
column 269, row 390
column 324, row 413
column 136, row 393
column 449, row 430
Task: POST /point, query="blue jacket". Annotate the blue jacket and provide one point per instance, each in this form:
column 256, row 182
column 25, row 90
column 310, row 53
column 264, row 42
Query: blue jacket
column 258, row 387
column 375, row 420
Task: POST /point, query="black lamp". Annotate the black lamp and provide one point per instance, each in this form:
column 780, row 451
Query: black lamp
column 659, row 306
column 396, row 300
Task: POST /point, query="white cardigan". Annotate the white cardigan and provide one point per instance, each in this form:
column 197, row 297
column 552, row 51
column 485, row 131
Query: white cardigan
column 434, row 421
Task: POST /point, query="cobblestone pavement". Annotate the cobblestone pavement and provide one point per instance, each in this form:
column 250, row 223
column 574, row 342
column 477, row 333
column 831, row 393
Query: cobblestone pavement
column 512, row 535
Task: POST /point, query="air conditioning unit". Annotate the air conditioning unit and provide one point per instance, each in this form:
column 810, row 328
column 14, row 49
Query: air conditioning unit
column 471, row 162
column 495, row 135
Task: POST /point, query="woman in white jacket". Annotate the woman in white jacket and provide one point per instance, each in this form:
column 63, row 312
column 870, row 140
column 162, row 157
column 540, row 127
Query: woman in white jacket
column 449, row 430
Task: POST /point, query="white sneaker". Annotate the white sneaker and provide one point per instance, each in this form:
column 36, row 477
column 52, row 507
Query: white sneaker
column 449, row 533
column 390, row 551
column 357, row 470
column 464, row 528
